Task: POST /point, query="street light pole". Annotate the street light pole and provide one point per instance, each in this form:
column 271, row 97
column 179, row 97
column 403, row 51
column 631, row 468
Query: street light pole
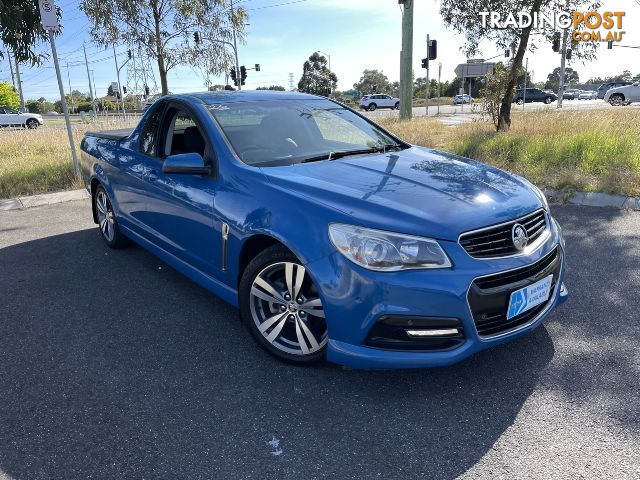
column 115, row 58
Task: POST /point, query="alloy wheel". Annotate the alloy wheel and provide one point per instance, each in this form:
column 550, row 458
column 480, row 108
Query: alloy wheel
column 287, row 310
column 106, row 218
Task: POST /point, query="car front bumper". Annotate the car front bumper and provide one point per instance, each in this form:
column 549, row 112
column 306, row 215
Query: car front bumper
column 356, row 299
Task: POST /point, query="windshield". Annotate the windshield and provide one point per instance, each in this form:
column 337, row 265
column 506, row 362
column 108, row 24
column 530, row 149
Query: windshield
column 286, row 132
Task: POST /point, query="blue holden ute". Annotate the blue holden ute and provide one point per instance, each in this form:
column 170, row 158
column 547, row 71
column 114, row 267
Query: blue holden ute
column 333, row 237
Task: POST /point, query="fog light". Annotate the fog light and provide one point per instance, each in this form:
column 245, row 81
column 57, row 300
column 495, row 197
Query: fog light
column 443, row 332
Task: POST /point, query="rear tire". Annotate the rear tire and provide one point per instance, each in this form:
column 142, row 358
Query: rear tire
column 281, row 307
column 372, row 107
column 519, row 101
column 107, row 222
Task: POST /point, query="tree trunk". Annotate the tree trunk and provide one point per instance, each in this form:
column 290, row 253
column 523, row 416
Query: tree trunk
column 162, row 70
column 504, row 117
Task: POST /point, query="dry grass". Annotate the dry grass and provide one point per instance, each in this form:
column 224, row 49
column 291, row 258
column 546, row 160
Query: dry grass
column 39, row 161
column 593, row 150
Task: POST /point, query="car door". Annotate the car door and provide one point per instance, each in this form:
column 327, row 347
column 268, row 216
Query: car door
column 180, row 207
column 3, row 117
column 12, row 117
column 388, row 101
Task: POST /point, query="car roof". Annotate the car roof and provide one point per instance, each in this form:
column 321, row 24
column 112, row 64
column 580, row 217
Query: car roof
column 228, row 96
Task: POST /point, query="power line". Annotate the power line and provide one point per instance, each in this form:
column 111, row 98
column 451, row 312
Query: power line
column 276, row 5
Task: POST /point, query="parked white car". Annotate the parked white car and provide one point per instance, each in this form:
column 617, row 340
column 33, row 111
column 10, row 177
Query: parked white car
column 379, row 100
column 588, row 95
column 623, row 95
column 10, row 117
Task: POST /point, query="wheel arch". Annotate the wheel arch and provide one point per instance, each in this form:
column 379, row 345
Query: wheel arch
column 252, row 247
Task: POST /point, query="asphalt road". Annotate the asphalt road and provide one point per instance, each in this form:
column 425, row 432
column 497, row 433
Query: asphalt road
column 113, row 365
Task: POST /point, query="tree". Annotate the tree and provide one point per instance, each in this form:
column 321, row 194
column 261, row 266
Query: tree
column 8, row 96
column 316, row 76
column 494, row 90
column 21, row 31
column 372, row 81
column 278, row 88
column 164, row 29
column 553, row 79
column 464, row 17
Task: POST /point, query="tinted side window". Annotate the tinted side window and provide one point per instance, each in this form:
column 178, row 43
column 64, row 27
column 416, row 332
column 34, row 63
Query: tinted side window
column 150, row 133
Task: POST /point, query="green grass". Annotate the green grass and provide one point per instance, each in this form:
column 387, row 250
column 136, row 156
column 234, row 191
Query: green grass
column 571, row 150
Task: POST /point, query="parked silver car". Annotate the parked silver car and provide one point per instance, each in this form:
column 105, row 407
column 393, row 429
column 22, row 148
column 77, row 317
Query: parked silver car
column 588, row 95
column 462, row 99
column 379, row 100
column 623, row 95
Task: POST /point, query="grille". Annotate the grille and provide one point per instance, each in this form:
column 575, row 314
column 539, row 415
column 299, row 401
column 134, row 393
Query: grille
column 498, row 242
column 489, row 296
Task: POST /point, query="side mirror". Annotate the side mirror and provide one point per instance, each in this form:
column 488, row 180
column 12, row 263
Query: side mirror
column 186, row 163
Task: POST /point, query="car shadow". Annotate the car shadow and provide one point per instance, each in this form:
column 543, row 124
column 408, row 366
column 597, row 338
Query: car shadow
column 114, row 365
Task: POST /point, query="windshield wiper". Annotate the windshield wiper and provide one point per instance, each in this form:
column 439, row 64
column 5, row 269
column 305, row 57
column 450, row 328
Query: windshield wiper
column 345, row 153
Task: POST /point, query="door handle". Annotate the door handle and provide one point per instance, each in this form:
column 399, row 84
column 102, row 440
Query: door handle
column 152, row 175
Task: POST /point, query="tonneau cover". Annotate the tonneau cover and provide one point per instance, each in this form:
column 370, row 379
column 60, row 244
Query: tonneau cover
column 118, row 134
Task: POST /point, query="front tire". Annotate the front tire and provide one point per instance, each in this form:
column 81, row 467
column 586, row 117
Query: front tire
column 372, row 107
column 397, row 106
column 32, row 124
column 548, row 100
column 616, row 99
column 107, row 222
column 280, row 305
column 519, row 101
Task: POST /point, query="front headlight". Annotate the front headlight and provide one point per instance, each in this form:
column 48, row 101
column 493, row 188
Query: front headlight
column 386, row 251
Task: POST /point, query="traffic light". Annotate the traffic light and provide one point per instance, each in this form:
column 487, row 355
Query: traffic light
column 425, row 63
column 146, row 91
column 234, row 77
column 124, row 90
column 568, row 56
column 129, row 54
column 610, row 45
column 243, row 74
column 257, row 67
column 556, row 42
column 432, row 49
column 196, row 37
column 507, row 53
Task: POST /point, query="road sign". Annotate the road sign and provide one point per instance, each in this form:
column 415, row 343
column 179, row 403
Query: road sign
column 473, row 70
column 48, row 15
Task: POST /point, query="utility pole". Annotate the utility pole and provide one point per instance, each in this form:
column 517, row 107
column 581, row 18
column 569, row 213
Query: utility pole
column 93, row 99
column 69, row 80
column 13, row 80
column 563, row 60
column 406, row 61
column 22, row 109
column 235, row 45
column 439, row 93
column 93, row 78
column 291, row 82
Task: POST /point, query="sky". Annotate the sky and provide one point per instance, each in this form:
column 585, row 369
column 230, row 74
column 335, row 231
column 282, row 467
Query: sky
column 356, row 34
